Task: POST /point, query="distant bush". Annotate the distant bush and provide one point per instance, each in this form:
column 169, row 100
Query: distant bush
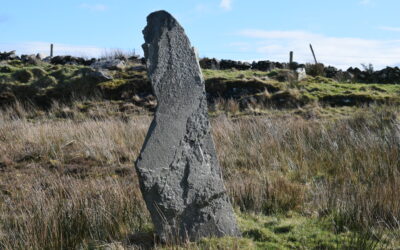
column 368, row 68
column 315, row 69
column 119, row 54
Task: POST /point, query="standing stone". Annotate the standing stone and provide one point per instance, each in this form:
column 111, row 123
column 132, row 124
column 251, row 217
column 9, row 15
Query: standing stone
column 178, row 170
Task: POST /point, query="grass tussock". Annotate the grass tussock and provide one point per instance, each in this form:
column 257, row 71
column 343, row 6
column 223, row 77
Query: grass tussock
column 350, row 167
column 50, row 211
column 69, row 182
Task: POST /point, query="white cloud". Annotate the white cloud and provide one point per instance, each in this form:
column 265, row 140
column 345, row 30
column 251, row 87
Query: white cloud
column 341, row 52
column 59, row 49
column 387, row 28
column 201, row 7
column 94, row 7
column 226, row 4
column 365, row 2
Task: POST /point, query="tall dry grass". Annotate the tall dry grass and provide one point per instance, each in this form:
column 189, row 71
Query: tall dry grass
column 349, row 168
column 66, row 183
column 49, row 211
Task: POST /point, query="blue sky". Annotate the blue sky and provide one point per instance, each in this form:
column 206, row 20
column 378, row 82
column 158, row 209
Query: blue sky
column 343, row 32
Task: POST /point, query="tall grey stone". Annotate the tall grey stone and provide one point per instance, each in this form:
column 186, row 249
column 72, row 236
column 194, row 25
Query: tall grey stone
column 178, row 170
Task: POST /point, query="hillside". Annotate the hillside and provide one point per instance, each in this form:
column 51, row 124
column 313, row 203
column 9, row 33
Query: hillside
column 308, row 164
column 124, row 83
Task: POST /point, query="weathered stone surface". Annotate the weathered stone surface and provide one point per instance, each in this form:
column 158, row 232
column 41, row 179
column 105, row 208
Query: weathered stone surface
column 112, row 64
column 179, row 174
column 301, row 73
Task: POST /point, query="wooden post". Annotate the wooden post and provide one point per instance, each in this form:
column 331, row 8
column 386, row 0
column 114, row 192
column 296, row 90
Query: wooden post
column 291, row 57
column 51, row 50
column 312, row 50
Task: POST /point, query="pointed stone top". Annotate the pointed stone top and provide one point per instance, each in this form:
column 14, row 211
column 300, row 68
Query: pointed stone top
column 171, row 61
column 159, row 14
column 156, row 22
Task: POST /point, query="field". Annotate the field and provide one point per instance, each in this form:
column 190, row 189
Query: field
column 308, row 165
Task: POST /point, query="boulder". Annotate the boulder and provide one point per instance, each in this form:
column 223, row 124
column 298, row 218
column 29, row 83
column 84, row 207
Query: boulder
column 96, row 75
column 301, row 73
column 30, row 59
column 111, row 64
column 207, row 63
column 330, row 71
column 71, row 60
column 229, row 64
column 178, row 170
column 268, row 65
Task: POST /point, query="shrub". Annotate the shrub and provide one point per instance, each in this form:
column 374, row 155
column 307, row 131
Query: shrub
column 315, row 69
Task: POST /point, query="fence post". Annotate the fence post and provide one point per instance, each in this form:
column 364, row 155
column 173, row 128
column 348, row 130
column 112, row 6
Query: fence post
column 312, row 50
column 51, row 50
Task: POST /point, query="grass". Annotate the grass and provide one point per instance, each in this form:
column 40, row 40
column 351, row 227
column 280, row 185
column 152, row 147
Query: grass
column 44, row 84
column 68, row 181
column 260, row 91
column 375, row 92
column 250, row 89
column 308, row 165
column 233, row 74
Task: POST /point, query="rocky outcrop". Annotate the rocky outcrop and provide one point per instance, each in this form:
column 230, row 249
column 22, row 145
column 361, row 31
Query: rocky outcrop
column 386, row 75
column 209, row 63
column 8, row 56
column 62, row 60
column 178, row 170
column 229, row 64
column 267, row 65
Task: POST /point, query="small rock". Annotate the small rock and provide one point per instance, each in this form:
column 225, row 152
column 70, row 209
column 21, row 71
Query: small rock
column 113, row 64
column 97, row 75
column 301, row 74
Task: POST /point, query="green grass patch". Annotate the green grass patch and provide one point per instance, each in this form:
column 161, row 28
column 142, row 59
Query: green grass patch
column 113, row 84
column 293, row 231
column 232, row 74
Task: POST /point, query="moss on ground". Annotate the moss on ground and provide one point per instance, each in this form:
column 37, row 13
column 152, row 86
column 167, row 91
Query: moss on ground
column 113, row 84
column 292, row 231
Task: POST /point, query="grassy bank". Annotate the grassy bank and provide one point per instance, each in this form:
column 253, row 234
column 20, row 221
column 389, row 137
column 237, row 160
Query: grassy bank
column 253, row 91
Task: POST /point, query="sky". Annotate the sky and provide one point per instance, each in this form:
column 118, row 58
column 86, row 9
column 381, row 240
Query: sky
column 343, row 33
